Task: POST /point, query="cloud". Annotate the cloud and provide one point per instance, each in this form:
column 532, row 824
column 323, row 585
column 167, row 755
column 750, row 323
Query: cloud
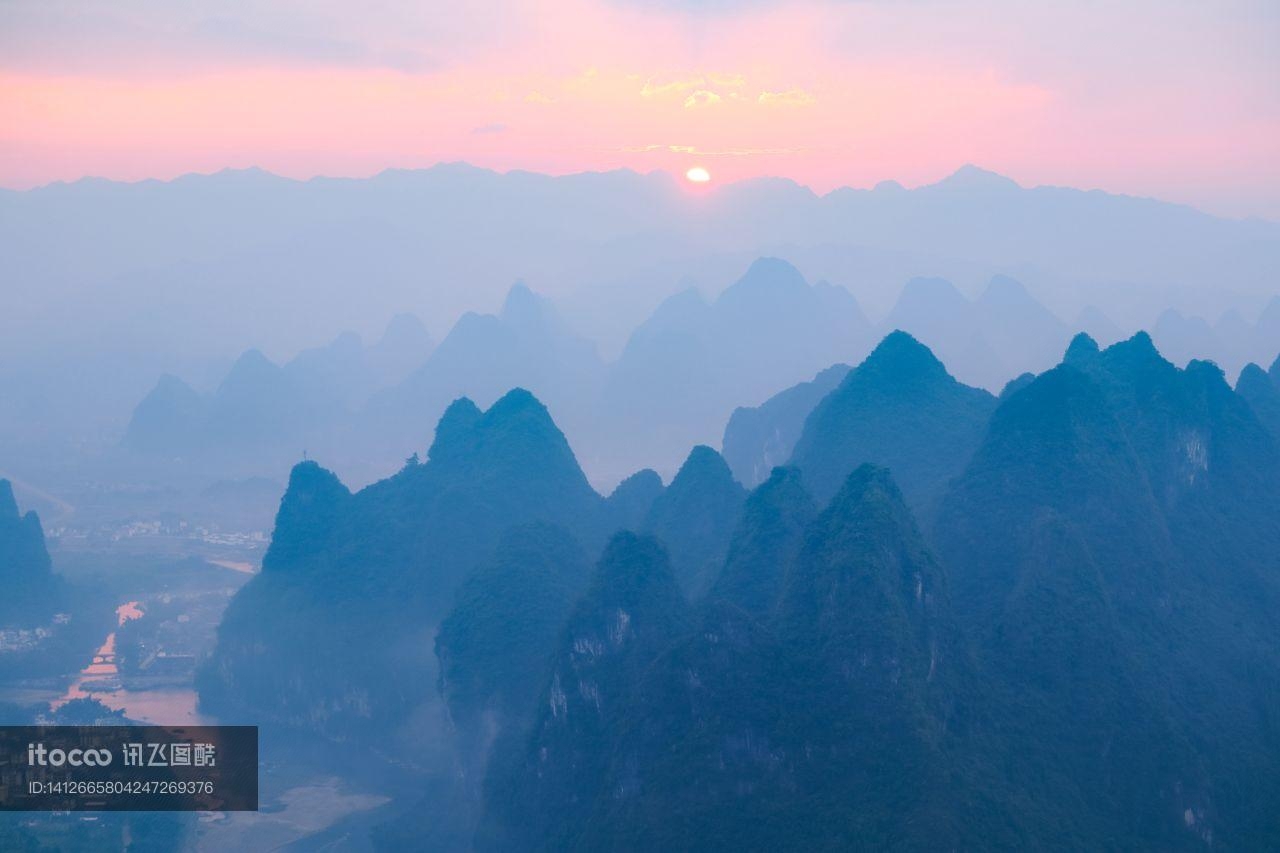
column 701, row 98
column 646, row 149
column 538, row 98
column 788, row 98
column 657, row 87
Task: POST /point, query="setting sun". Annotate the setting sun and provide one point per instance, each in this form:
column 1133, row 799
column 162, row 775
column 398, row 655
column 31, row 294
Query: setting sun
column 698, row 175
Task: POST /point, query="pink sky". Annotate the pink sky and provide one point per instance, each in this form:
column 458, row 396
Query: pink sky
column 1179, row 100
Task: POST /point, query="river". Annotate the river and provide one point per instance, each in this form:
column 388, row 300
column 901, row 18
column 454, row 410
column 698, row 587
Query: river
column 165, row 706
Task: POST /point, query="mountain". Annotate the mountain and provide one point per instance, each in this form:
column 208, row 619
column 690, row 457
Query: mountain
column 260, row 411
column 987, row 341
column 274, row 261
column 168, row 419
column 691, row 363
column 1188, row 453
column 1268, row 325
column 352, row 372
column 526, row 345
column 1097, row 325
column 757, row 439
column 30, row 588
column 1055, row 483
column 1231, row 342
column 821, row 726
column 403, row 347
column 899, row 409
column 336, row 631
column 1071, row 447
column 1080, row 654
column 538, row 797
column 1262, row 391
column 774, row 519
column 494, row 646
column 694, row 518
column 932, row 309
column 631, row 501
column 1063, row 671
column 268, row 244
column 1182, row 338
column 866, row 617
column 263, row 413
column 259, row 403
column 519, row 598
column 698, row 758
column 1021, row 331
column 1016, row 384
column 1111, row 545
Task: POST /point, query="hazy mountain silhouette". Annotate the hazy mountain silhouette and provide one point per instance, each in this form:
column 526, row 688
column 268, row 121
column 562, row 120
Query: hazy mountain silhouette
column 866, row 616
column 494, row 646
column 1183, row 338
column 31, row 592
column 820, row 725
column 692, row 362
column 1231, row 342
column 169, row 419
column 1097, row 325
column 383, row 564
column 987, row 341
column 768, row 535
column 629, row 504
column 194, row 270
column 757, row 439
column 685, row 369
column 1107, row 551
column 899, row 409
column 525, row 345
column 540, row 797
column 694, row 518
column 1088, row 656
column 320, row 235
column 352, row 372
column 263, row 413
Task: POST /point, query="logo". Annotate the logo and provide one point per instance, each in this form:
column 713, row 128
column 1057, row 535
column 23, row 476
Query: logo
column 39, row 756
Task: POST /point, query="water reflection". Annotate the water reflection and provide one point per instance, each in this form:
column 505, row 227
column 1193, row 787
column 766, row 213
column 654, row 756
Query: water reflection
column 101, row 680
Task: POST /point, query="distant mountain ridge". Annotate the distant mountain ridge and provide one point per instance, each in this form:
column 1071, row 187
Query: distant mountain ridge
column 526, row 344
column 1231, row 342
column 263, row 412
column 196, row 269
column 988, row 339
column 692, row 362
column 685, row 371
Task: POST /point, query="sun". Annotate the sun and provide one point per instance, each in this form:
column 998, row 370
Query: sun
column 698, row 175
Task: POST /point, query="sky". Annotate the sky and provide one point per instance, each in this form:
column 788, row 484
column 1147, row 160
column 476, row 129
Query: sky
column 1174, row 99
